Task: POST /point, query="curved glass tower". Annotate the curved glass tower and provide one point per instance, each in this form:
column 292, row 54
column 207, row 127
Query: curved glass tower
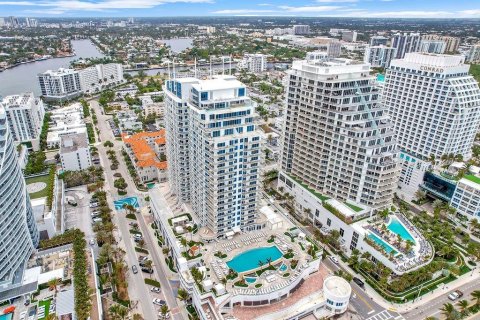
column 18, row 231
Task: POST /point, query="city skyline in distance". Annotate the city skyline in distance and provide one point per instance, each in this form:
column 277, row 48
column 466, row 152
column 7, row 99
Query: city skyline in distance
column 212, row 8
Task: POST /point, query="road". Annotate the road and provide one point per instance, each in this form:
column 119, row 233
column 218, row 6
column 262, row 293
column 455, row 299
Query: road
column 138, row 290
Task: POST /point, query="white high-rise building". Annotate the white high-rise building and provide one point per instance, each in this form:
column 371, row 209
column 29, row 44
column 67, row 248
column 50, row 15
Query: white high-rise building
column 451, row 43
column 301, row 29
column 98, row 77
column 18, row 230
column 433, row 46
column 405, row 43
column 379, row 56
column 75, row 152
column 63, row 84
column 255, row 62
column 24, row 116
column 378, row 41
column 473, row 55
column 434, row 105
column 349, row 36
column 214, row 151
column 337, row 137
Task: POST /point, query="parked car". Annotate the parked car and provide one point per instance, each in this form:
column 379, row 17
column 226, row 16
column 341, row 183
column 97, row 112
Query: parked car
column 155, row 289
column 358, row 281
column 96, row 220
column 455, row 295
column 95, row 214
column 93, row 204
column 158, row 302
column 147, row 270
column 334, row 259
column 92, row 242
column 142, row 258
column 72, row 203
column 143, row 263
column 23, row 314
column 134, row 269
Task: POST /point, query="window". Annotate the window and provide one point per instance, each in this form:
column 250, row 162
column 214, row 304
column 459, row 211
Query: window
column 241, row 92
column 204, row 96
column 216, row 134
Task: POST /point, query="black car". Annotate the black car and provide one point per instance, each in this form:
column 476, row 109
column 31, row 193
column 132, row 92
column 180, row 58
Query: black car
column 147, row 270
column 358, row 281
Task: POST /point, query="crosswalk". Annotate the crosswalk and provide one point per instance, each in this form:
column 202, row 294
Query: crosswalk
column 386, row 315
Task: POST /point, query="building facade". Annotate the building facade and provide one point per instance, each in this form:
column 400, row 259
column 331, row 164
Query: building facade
column 60, row 85
column 301, row 29
column 433, row 46
column 336, row 104
column 75, row 152
column 379, row 56
column 434, row 105
column 254, row 63
column 473, row 55
column 451, row 43
column 223, row 147
column 405, row 43
column 98, row 77
column 24, row 116
column 349, row 36
column 378, row 41
column 18, row 231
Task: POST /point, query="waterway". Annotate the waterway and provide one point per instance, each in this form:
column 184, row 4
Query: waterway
column 24, row 77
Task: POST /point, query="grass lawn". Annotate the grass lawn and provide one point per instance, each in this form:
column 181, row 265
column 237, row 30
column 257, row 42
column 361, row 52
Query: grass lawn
column 45, row 303
column 353, row 207
column 42, row 193
column 472, row 178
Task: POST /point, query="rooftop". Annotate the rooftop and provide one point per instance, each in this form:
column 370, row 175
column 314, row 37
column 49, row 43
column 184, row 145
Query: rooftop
column 72, row 142
column 144, row 154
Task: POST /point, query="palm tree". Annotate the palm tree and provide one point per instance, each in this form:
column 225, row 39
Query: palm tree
column 114, row 311
column 269, row 261
column 53, row 283
column 164, row 310
column 476, row 296
column 149, row 264
column 182, row 295
column 224, row 281
column 448, row 310
column 184, row 243
column 260, row 263
column 463, row 304
column 432, row 159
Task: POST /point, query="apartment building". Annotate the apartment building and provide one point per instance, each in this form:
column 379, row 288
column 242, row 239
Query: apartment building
column 349, row 36
column 19, row 235
column 75, row 152
column 378, row 41
column 337, row 138
column 147, row 151
column 64, row 121
column 24, row 117
column 211, row 124
column 60, row 85
column 379, row 56
column 473, row 55
column 434, row 105
column 301, row 29
column 405, row 43
column 98, row 77
column 255, row 63
column 433, row 46
column 451, row 43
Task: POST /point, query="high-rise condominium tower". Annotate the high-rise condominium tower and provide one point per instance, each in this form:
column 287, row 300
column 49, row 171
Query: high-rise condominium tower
column 18, row 230
column 435, row 109
column 24, row 116
column 214, row 151
column 405, row 43
column 337, row 137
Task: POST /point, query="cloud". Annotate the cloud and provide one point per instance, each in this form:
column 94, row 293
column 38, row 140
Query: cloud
column 265, row 4
column 60, row 6
column 310, row 8
column 474, row 12
column 243, row 11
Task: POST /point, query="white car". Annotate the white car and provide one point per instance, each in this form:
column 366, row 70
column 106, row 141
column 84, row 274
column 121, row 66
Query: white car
column 92, row 242
column 155, row 289
column 158, row 302
column 334, row 259
column 23, row 314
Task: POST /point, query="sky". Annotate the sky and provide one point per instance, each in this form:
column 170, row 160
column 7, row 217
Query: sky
column 307, row 8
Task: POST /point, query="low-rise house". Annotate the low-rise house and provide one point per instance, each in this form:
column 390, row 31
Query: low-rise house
column 65, row 121
column 147, row 152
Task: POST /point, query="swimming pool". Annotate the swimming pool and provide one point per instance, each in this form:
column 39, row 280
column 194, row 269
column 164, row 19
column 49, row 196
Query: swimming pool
column 283, row 267
column 397, row 227
column 7, row 316
column 250, row 259
column 250, row 279
column 130, row 200
column 388, row 248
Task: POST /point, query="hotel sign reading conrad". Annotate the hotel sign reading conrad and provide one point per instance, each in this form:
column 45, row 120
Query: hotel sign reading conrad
column 431, row 69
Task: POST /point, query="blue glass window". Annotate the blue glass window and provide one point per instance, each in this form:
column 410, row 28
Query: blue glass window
column 204, row 96
column 241, row 92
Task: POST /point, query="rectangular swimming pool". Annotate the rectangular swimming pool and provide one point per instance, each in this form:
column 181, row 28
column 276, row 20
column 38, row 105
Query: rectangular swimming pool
column 388, row 248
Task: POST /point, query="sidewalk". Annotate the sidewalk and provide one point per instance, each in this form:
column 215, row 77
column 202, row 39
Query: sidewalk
column 424, row 299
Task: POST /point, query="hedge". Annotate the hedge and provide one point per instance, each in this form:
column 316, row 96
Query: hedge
column 141, row 250
column 131, row 216
column 152, row 282
column 82, row 290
